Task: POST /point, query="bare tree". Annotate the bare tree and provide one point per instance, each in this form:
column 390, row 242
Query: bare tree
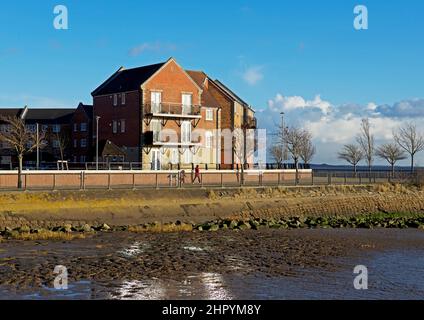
column 63, row 142
column 392, row 153
column 365, row 140
column 20, row 138
column 243, row 147
column 351, row 153
column 294, row 138
column 308, row 150
column 277, row 153
column 408, row 138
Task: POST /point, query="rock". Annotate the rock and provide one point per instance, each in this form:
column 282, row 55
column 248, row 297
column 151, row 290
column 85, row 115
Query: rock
column 24, row 229
column 200, row 228
column 233, row 224
column 244, row 226
column 67, row 228
column 214, row 227
column 86, row 228
column 11, row 233
column 104, row 227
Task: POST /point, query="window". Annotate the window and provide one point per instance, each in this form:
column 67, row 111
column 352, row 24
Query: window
column 6, row 159
column 44, row 128
column 75, row 127
column 123, row 98
column 114, row 126
column 123, row 126
column 31, row 127
column 82, row 159
column 187, row 102
column 209, row 114
column 83, row 126
column 208, row 139
column 75, row 159
column 174, row 156
column 186, row 132
column 56, row 128
column 188, row 156
column 115, row 100
column 83, row 143
column 156, row 100
column 75, row 143
column 55, row 143
column 156, row 127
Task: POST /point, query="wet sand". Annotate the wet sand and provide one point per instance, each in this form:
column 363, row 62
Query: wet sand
column 175, row 265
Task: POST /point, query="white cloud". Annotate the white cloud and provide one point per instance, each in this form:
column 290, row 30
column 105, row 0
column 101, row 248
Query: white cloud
column 253, row 75
column 148, row 46
column 332, row 126
column 286, row 104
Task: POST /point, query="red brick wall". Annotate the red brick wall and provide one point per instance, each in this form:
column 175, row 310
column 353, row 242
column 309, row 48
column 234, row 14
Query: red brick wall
column 80, row 117
column 172, row 81
column 227, row 117
column 130, row 112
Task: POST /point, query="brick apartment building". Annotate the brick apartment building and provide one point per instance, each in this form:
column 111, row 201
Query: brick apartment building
column 159, row 115
column 58, row 126
column 139, row 109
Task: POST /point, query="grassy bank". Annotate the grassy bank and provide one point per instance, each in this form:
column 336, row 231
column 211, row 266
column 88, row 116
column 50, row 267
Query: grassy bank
column 150, row 210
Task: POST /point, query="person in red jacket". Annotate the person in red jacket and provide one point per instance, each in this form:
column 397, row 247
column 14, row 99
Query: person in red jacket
column 197, row 174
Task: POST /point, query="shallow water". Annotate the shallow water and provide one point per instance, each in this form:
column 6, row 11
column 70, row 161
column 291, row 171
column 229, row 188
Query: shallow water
column 395, row 272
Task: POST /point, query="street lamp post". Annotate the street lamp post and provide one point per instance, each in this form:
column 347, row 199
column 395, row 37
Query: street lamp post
column 38, row 148
column 97, row 142
column 283, row 132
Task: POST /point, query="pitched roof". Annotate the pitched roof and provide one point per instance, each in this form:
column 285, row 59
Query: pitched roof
column 44, row 115
column 207, row 99
column 231, row 93
column 49, row 115
column 88, row 109
column 127, row 79
column 10, row 112
column 108, row 148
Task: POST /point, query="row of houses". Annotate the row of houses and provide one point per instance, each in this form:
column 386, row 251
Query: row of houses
column 158, row 115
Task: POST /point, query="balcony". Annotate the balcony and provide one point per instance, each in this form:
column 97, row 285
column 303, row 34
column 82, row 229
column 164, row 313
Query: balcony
column 155, row 139
column 172, row 110
column 251, row 123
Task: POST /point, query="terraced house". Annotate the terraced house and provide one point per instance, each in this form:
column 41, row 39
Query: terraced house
column 164, row 116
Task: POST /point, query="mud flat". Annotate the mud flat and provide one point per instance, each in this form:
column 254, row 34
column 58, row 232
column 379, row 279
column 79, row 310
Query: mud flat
column 268, row 263
column 119, row 207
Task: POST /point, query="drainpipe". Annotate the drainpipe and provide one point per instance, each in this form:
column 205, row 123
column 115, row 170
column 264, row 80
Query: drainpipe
column 218, row 137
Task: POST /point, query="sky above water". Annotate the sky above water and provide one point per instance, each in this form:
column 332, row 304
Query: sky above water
column 301, row 57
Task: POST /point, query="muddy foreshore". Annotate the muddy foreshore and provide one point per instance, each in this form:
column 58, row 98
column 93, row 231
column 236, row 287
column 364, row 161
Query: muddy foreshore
column 136, row 207
column 112, row 258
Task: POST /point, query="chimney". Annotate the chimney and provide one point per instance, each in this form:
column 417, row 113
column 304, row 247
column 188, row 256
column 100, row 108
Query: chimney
column 24, row 112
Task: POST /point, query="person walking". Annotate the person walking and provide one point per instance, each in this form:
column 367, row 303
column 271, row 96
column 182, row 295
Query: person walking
column 197, row 174
column 182, row 177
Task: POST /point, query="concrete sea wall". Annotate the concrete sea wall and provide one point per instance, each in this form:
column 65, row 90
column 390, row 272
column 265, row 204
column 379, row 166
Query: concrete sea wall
column 120, row 207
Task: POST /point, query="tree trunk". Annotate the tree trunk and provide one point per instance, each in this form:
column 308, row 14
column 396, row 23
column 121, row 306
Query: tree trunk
column 20, row 160
column 354, row 170
column 412, row 163
column 369, row 171
column 296, row 163
column 242, row 175
column 393, row 170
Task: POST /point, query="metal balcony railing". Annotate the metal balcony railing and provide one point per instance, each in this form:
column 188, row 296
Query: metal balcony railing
column 176, row 109
column 156, row 137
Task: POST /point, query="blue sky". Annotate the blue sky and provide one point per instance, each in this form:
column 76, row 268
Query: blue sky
column 301, row 57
